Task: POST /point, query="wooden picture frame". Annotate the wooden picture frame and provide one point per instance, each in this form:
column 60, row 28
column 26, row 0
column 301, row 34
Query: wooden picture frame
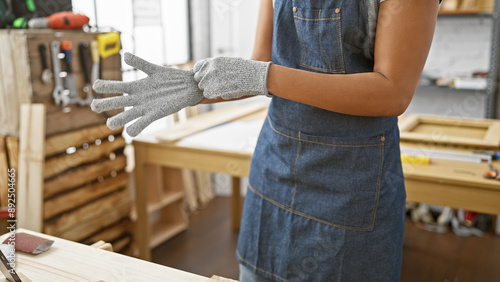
column 481, row 133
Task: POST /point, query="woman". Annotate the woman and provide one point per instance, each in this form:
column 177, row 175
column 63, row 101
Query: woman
column 326, row 194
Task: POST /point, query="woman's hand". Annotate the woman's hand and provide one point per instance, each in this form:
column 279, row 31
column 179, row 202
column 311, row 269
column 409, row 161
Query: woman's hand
column 165, row 91
column 231, row 78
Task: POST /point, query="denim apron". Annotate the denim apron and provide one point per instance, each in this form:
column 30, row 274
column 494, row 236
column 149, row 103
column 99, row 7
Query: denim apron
column 326, row 198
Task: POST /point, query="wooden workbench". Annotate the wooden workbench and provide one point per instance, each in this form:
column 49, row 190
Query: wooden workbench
column 70, row 261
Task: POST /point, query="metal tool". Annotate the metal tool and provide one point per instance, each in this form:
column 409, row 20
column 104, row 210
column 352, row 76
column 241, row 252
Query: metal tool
column 83, row 48
column 69, row 80
column 46, row 73
column 9, row 272
column 94, row 52
column 58, row 94
column 60, row 20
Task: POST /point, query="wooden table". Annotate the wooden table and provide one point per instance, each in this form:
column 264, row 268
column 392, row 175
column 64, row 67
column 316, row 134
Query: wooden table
column 148, row 150
column 452, row 183
column 447, row 183
column 70, row 261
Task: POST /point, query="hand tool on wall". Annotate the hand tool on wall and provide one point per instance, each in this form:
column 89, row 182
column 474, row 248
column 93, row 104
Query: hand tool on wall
column 58, row 94
column 109, row 44
column 60, row 20
column 83, row 48
column 46, row 73
column 69, row 80
column 94, row 52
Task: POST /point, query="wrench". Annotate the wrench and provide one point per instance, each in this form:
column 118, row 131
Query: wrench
column 58, row 94
column 83, row 48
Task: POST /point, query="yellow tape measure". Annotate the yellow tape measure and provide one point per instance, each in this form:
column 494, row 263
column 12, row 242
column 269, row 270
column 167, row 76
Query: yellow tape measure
column 415, row 159
column 108, row 44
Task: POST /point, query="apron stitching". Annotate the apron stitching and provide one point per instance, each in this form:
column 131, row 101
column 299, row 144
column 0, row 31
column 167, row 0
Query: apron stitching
column 319, row 40
column 294, row 172
column 322, row 69
column 321, row 19
column 296, row 212
column 320, row 143
column 301, row 43
column 379, row 180
column 260, row 269
column 339, row 41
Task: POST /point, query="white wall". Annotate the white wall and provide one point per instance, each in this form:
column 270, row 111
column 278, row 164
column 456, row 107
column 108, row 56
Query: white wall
column 461, row 45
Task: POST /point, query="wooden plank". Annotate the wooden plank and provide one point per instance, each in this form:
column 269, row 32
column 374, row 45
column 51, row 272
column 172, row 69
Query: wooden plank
column 79, row 117
column 205, row 189
column 87, row 212
column 59, row 143
column 493, row 134
column 8, row 91
column 12, row 151
column 142, row 234
column 87, row 229
column 207, row 120
column 236, row 203
column 31, row 166
column 112, row 232
column 407, row 123
column 70, row 261
column 191, row 195
column 456, row 121
column 59, row 164
column 15, row 88
column 24, row 90
column 83, row 195
column 4, row 176
column 83, row 175
column 154, row 183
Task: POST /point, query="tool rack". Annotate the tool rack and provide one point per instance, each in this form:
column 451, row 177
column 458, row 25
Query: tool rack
column 80, row 194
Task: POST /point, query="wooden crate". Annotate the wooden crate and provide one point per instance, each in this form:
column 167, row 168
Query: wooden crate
column 71, row 178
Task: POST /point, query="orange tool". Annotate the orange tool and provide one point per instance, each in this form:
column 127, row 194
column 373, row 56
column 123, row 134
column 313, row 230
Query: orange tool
column 60, row 20
column 492, row 173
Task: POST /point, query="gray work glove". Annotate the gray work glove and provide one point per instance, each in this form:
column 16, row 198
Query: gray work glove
column 165, row 91
column 230, row 78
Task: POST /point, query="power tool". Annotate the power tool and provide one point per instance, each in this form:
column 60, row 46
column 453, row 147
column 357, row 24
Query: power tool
column 60, row 20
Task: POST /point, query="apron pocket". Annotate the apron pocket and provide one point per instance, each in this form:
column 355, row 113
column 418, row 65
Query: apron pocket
column 338, row 180
column 319, row 32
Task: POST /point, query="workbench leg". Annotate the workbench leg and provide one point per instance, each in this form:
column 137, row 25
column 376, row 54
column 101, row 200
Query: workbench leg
column 236, row 204
column 142, row 228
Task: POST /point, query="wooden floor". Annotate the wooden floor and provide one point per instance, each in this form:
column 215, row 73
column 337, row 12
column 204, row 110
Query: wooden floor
column 209, row 245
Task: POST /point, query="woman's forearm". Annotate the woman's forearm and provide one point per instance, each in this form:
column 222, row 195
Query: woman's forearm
column 366, row 94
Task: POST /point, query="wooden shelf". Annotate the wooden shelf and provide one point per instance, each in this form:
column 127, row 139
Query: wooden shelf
column 165, row 231
column 169, row 220
column 166, row 200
